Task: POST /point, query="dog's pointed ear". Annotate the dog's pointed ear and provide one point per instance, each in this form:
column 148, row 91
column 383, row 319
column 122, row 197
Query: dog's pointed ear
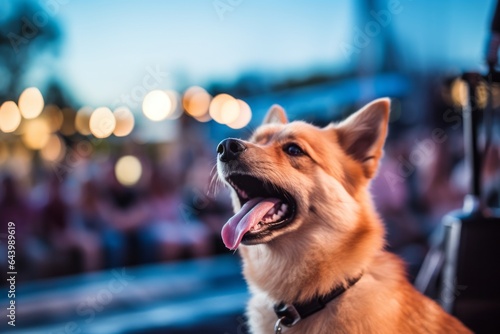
column 276, row 114
column 362, row 135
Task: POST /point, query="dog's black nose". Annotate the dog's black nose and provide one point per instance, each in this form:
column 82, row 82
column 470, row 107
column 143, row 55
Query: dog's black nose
column 229, row 149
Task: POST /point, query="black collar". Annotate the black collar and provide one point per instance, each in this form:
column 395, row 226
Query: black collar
column 291, row 314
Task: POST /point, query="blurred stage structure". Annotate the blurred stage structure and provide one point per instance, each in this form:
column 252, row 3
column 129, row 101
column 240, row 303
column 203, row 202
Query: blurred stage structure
column 460, row 271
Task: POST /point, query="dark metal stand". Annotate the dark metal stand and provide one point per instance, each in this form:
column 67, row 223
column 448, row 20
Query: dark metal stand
column 462, row 272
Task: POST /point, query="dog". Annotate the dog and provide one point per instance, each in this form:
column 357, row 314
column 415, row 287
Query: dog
column 311, row 241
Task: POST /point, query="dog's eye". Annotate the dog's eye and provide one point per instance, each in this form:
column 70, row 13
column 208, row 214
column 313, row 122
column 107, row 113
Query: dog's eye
column 293, row 150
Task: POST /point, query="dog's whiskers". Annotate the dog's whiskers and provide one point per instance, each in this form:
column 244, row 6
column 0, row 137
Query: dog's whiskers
column 214, row 181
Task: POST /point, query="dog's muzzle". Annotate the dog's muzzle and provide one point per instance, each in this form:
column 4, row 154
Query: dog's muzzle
column 230, row 149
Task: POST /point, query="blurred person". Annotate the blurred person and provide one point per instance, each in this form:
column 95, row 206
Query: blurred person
column 87, row 205
column 441, row 183
column 125, row 214
column 69, row 249
column 86, row 214
column 15, row 207
column 208, row 200
column 175, row 227
column 392, row 194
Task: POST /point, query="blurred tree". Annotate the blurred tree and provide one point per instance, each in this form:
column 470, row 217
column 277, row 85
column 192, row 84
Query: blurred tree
column 27, row 32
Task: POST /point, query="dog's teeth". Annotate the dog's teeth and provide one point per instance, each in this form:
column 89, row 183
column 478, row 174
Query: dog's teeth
column 275, row 217
column 281, row 213
column 284, row 207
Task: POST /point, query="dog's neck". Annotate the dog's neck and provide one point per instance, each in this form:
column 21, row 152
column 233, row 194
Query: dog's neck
column 286, row 268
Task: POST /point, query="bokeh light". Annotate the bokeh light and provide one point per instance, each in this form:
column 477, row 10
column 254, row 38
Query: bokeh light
column 82, row 120
column 128, row 170
column 10, row 117
column 124, row 121
column 459, row 93
column 244, row 116
column 216, row 105
column 36, row 133
column 229, row 111
column 54, row 150
column 31, row 103
column 102, row 122
column 196, row 101
column 157, row 105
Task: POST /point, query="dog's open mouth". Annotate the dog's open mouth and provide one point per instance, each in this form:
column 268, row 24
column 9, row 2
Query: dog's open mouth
column 265, row 208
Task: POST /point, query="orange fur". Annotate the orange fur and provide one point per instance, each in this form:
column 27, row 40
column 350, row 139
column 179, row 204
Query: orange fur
column 336, row 234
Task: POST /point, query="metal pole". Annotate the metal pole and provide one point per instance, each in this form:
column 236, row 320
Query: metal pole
column 471, row 115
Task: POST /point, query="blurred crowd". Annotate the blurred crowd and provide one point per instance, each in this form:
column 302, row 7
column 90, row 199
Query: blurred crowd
column 422, row 178
column 80, row 219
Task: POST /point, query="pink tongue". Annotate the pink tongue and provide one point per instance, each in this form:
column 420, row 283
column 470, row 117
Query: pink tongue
column 249, row 215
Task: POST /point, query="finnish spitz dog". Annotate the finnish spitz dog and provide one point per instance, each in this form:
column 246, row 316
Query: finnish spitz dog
column 311, row 241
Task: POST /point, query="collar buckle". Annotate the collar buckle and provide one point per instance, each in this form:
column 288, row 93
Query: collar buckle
column 288, row 314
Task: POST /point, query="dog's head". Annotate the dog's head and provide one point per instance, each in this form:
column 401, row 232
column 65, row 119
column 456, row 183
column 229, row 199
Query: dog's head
column 295, row 177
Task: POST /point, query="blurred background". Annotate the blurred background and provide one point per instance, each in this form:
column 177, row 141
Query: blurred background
column 111, row 112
